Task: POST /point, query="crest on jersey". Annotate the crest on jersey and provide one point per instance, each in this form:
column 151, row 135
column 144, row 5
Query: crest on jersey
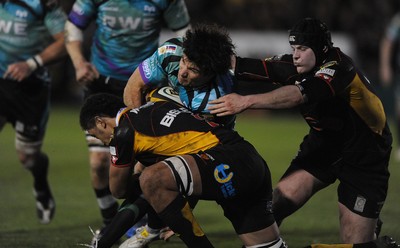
column 167, row 49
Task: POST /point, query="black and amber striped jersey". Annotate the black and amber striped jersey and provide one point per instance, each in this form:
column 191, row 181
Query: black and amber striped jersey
column 339, row 97
column 163, row 129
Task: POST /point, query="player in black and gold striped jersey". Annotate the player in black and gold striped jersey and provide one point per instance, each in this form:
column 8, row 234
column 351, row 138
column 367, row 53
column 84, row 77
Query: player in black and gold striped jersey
column 349, row 139
column 185, row 155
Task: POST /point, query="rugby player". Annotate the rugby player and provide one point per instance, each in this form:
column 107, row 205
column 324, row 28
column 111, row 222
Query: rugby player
column 31, row 37
column 349, row 138
column 126, row 33
column 187, row 155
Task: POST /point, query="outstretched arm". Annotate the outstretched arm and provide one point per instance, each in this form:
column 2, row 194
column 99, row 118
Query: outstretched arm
column 281, row 98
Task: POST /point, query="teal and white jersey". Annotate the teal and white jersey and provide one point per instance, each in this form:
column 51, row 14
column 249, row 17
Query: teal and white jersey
column 26, row 27
column 127, row 31
column 162, row 68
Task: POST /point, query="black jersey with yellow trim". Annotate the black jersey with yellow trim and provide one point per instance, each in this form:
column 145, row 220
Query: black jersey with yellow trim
column 163, row 129
column 339, row 97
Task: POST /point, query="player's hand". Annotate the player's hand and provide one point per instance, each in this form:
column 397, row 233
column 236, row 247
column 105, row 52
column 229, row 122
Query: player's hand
column 86, row 73
column 18, row 71
column 166, row 233
column 227, row 105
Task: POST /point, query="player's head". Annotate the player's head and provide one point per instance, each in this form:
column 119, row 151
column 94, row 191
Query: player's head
column 314, row 34
column 99, row 105
column 209, row 48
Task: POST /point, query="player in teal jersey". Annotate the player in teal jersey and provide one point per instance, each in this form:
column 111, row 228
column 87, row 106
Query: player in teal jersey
column 31, row 36
column 195, row 66
column 126, row 33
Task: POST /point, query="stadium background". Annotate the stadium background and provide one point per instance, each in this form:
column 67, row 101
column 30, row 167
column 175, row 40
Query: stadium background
column 358, row 25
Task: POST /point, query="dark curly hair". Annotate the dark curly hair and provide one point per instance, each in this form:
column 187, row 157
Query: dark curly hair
column 209, row 47
column 102, row 105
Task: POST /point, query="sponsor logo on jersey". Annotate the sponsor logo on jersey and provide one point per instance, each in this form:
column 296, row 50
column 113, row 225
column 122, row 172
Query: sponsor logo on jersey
column 326, row 71
column 167, row 49
column 21, row 13
column 149, row 9
column 223, row 175
column 171, row 115
column 360, row 204
column 325, row 74
column 113, row 151
column 146, row 69
column 18, row 28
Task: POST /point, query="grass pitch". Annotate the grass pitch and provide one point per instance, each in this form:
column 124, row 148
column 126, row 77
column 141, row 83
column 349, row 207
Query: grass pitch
column 276, row 137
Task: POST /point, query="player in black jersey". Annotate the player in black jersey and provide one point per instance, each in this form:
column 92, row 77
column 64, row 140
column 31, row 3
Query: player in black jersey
column 185, row 155
column 349, row 139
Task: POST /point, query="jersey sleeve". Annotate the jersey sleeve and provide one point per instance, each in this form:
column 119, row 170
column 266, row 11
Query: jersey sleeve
column 82, row 13
column 54, row 19
column 176, row 15
column 276, row 69
column 154, row 70
column 121, row 146
column 393, row 30
column 329, row 80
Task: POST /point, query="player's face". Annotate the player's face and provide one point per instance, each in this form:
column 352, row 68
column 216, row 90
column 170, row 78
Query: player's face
column 303, row 58
column 101, row 131
column 189, row 73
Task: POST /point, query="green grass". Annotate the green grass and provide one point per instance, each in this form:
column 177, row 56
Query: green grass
column 275, row 136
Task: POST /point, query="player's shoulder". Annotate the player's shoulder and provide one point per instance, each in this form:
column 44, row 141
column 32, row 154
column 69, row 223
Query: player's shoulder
column 163, row 94
column 172, row 46
column 338, row 60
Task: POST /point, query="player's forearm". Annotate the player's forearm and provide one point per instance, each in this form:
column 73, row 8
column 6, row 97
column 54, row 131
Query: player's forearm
column 282, row 98
column 75, row 52
column 133, row 92
column 55, row 51
column 73, row 42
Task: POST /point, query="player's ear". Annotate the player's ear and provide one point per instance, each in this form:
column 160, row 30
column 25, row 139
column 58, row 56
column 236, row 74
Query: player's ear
column 100, row 122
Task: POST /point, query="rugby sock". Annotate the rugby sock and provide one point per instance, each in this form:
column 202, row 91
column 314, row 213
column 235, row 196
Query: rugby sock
column 107, row 204
column 179, row 217
column 153, row 221
column 128, row 214
column 279, row 243
column 282, row 206
column 39, row 170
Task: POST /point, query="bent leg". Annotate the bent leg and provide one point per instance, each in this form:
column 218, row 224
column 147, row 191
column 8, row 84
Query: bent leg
column 292, row 192
column 174, row 178
column 99, row 161
column 355, row 228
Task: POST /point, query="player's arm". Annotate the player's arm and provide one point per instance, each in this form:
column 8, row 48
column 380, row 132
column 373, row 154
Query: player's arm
column 385, row 56
column 119, row 181
column 285, row 97
column 21, row 70
column 133, row 92
column 85, row 72
column 54, row 52
column 177, row 18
